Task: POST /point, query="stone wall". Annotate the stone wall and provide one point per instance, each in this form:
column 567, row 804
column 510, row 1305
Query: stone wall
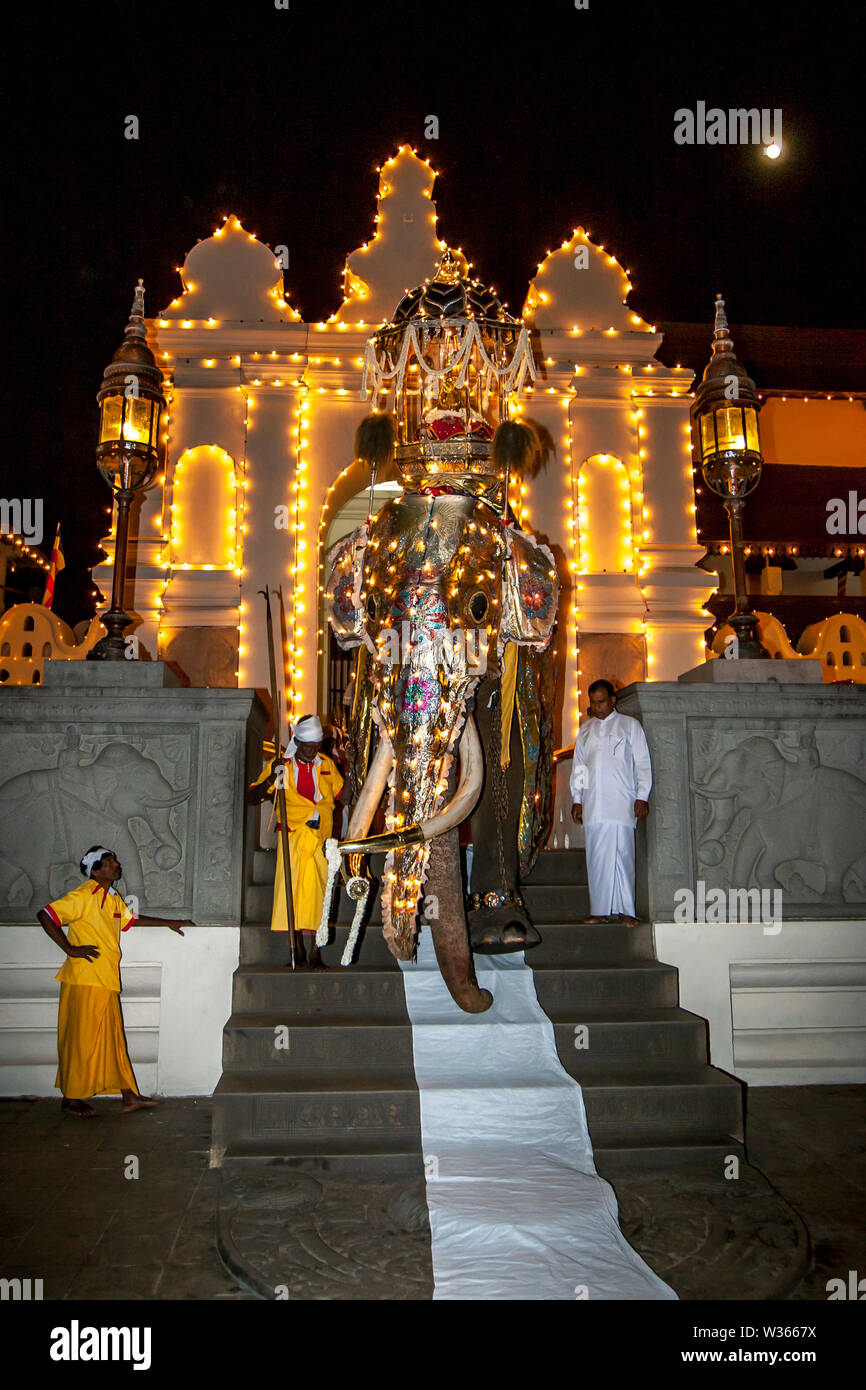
column 761, row 787
column 118, row 754
column 755, row 786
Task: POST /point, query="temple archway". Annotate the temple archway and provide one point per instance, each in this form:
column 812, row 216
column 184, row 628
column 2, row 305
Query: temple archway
column 204, row 510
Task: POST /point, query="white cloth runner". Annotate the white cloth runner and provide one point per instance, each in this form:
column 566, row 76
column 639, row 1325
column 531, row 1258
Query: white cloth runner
column 517, row 1210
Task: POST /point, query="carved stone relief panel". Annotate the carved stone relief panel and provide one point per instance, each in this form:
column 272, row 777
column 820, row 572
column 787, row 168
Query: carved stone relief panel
column 782, row 805
column 64, row 789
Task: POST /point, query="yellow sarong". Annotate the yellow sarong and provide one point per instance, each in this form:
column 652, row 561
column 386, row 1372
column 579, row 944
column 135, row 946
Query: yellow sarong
column 307, row 861
column 91, row 1046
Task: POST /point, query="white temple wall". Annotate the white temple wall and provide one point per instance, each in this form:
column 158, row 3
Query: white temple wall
column 267, row 549
column 176, row 998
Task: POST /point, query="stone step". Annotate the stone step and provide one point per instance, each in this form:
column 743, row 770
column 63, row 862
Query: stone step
column 357, row 992
column 336, row 1043
column 563, row 943
column 261, row 946
column 556, row 902
column 364, row 989
column 320, row 1109
column 545, row 902
column 661, row 1038
column 281, row 1107
column 566, row 943
column 553, row 866
column 382, row 1158
column 633, row 1157
column 689, row 1101
column 564, row 866
column 619, row 986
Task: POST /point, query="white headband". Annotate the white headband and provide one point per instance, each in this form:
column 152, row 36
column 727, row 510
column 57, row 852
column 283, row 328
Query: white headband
column 93, row 857
column 309, row 730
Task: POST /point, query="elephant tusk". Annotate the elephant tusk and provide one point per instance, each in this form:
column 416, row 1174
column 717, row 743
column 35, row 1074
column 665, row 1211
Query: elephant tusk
column 371, row 792
column 161, row 803
column 457, row 809
column 468, row 788
column 713, row 795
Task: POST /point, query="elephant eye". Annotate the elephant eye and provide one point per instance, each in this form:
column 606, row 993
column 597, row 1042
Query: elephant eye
column 372, row 606
column 478, row 605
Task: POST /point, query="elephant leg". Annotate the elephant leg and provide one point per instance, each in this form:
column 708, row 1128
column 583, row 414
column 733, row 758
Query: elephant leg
column 505, row 928
column 450, row 935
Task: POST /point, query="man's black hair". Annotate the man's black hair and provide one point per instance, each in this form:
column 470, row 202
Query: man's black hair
column 96, row 864
column 602, row 685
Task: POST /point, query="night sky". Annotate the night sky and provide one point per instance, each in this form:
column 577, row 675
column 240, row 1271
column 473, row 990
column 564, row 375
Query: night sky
column 549, row 116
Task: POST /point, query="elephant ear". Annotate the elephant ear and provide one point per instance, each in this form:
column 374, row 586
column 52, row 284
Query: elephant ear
column 344, row 569
column 530, row 591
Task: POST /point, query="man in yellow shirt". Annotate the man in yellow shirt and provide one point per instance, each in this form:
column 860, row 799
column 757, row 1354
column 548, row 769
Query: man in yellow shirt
column 91, row 1047
column 313, row 787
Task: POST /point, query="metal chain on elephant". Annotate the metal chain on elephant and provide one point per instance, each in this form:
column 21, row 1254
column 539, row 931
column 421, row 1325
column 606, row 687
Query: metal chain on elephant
column 500, row 782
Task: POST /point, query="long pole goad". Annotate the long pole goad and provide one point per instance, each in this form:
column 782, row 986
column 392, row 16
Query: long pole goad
column 281, row 790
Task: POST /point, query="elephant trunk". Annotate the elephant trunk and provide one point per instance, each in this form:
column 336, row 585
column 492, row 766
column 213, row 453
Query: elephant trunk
column 169, row 853
column 450, row 933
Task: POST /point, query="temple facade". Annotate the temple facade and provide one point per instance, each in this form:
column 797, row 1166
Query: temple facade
column 260, row 476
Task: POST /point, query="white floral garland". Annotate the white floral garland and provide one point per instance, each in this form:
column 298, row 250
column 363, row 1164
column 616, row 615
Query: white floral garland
column 334, row 858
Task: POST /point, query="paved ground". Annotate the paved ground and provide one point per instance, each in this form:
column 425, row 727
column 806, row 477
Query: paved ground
column 70, row 1216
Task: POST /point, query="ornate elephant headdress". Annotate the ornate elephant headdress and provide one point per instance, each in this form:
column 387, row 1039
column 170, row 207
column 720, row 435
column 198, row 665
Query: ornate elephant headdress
column 450, row 358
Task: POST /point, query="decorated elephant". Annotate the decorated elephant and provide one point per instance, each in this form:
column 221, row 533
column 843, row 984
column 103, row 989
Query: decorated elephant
column 804, row 822
column 448, row 602
column 48, row 817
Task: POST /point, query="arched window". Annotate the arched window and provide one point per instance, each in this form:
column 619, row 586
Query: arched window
column 28, row 625
column 27, row 649
column 204, row 521
column 5, row 650
column 844, row 634
column 604, row 515
column 46, row 649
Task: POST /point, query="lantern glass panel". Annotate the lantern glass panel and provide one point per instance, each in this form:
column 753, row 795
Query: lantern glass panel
column 112, row 414
column 708, row 437
column 730, row 430
column 136, row 426
column 752, row 440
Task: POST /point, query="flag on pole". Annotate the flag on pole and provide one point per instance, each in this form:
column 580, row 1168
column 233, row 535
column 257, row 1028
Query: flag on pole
column 57, row 564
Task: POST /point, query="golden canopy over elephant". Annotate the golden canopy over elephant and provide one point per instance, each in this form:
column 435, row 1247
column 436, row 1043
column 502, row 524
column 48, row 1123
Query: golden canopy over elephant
column 440, row 591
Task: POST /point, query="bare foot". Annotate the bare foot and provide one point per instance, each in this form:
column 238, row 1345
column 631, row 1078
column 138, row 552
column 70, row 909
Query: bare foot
column 593, row 921
column 78, row 1107
column 629, row 921
column 133, row 1102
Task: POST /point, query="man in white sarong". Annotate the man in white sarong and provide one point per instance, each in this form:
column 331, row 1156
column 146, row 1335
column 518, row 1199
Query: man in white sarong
column 611, row 777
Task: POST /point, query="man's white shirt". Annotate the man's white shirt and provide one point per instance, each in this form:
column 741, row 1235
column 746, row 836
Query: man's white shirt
column 611, row 769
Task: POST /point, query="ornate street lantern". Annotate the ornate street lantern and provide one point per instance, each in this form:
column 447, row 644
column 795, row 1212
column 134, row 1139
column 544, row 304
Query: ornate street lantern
column 127, row 455
column 725, row 420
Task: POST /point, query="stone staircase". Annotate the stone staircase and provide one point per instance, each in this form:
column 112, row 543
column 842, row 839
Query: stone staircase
column 318, row 1067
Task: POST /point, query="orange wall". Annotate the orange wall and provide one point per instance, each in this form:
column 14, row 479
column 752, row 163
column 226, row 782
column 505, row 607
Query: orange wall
column 816, row 432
